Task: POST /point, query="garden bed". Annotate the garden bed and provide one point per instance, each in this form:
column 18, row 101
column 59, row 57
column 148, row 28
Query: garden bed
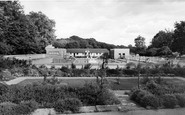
column 63, row 98
column 157, row 93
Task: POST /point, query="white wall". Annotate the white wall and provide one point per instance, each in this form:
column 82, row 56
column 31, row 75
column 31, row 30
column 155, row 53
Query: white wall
column 118, row 51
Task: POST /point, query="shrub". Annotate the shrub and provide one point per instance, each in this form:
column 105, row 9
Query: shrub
column 107, row 97
column 180, row 100
column 68, row 104
column 8, row 108
column 169, row 101
column 133, row 94
column 113, row 72
column 89, row 94
column 73, row 66
column 132, row 72
column 155, row 88
column 138, row 94
column 65, row 69
column 179, row 71
column 3, row 88
column 59, row 106
column 150, row 100
column 87, row 66
column 26, row 107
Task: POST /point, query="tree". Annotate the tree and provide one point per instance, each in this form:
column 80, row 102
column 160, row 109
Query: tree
column 152, row 51
column 140, row 42
column 179, row 38
column 19, row 33
column 162, row 38
column 44, row 27
column 43, row 71
column 140, row 45
column 164, row 51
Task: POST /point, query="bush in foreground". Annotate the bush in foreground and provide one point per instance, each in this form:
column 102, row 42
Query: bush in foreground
column 180, row 100
column 26, row 107
column 68, row 104
column 169, row 101
column 8, row 108
column 150, row 100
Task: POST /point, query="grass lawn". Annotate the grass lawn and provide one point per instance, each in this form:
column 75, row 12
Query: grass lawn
column 125, row 84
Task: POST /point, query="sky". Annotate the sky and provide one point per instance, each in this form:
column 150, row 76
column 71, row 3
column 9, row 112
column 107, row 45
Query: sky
column 116, row 22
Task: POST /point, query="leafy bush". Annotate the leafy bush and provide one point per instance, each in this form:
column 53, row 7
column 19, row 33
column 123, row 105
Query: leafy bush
column 132, row 72
column 180, row 100
column 26, row 107
column 133, row 93
column 113, row 72
column 169, row 101
column 140, row 95
column 87, row 66
column 155, row 88
column 3, row 88
column 107, row 97
column 94, row 94
column 65, row 69
column 8, row 108
column 68, row 104
column 137, row 94
column 179, row 71
column 150, row 100
column 73, row 66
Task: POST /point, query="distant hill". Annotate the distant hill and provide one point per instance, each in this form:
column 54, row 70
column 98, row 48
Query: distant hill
column 78, row 42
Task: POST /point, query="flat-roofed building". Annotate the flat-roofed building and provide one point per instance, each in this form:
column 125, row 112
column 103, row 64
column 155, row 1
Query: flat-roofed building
column 55, row 52
column 120, row 53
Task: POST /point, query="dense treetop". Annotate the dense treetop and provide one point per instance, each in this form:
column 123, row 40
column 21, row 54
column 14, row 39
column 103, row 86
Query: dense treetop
column 78, row 42
column 21, row 33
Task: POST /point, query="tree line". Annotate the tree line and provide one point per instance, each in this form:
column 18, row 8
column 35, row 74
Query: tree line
column 78, row 42
column 164, row 43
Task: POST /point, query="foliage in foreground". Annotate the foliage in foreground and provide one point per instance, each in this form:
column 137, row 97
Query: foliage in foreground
column 29, row 97
column 159, row 95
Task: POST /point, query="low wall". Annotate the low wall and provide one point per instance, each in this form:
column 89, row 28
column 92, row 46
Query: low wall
column 27, row 56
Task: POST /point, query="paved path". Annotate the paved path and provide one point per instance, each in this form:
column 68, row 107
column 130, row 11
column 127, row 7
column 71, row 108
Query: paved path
column 16, row 80
column 140, row 112
column 19, row 79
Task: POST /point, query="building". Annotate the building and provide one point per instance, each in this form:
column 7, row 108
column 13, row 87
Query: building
column 77, row 53
column 119, row 53
column 61, row 53
column 55, row 52
column 86, row 53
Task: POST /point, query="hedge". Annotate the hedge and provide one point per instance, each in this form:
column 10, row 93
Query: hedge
column 150, row 100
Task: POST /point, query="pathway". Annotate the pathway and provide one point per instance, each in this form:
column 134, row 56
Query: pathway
column 140, row 112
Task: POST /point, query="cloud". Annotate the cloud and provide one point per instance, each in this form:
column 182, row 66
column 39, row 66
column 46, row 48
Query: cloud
column 111, row 21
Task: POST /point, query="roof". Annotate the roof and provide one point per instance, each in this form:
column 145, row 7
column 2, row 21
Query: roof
column 85, row 50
